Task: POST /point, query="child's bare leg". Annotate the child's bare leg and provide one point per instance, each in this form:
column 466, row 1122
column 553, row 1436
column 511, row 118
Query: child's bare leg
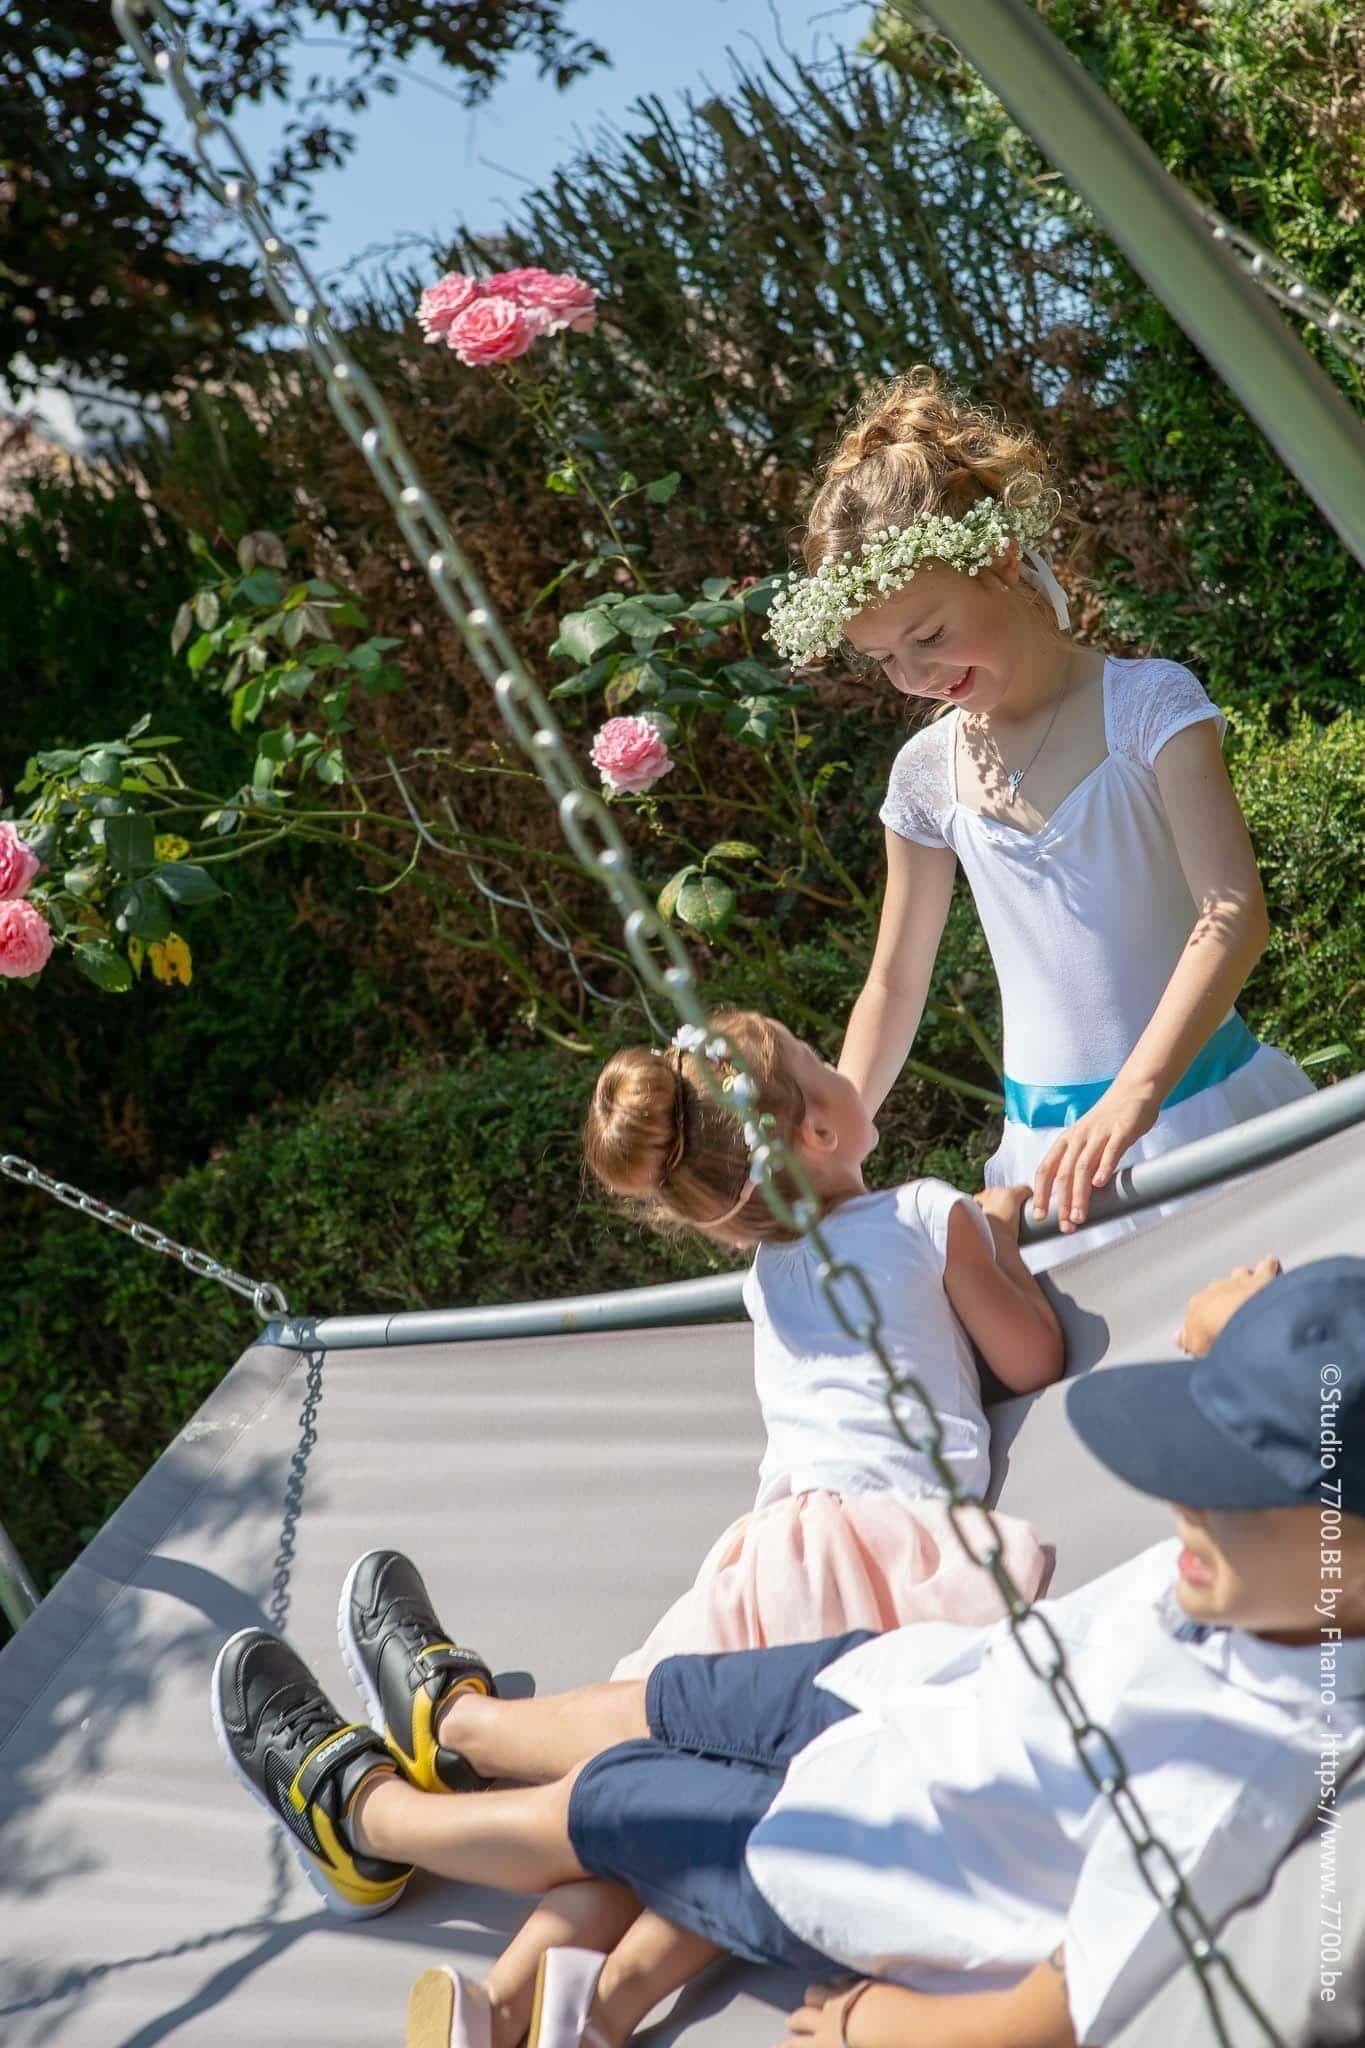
column 516, row 1841
column 539, row 1740
column 652, row 1958
column 593, row 1914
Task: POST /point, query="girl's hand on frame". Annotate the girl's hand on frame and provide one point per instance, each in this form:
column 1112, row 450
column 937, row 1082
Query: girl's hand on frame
column 1003, row 1206
column 1086, row 1155
column 819, row 2023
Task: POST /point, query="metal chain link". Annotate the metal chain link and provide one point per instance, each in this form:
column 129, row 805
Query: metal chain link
column 1345, row 331
column 264, row 1296
column 655, row 948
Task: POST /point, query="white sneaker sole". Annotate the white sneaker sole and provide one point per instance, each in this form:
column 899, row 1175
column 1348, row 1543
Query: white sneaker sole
column 350, row 1650
column 344, row 1908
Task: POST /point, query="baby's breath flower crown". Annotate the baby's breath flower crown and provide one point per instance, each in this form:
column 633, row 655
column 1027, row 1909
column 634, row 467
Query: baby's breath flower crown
column 808, row 617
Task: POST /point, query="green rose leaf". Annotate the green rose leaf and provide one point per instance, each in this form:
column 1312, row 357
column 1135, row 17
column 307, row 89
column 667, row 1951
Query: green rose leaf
column 140, row 911
column 707, row 613
column 582, row 636
column 180, row 631
column 707, row 904
column 201, row 652
column 715, row 588
column 589, row 679
column 750, row 676
column 261, row 586
column 183, row 882
column 754, row 720
column 246, row 703
column 206, row 611
column 639, row 618
column 128, row 843
column 668, row 895
column 663, row 487
column 330, row 766
column 103, row 767
column 734, row 849
column 760, row 598
column 107, row 968
column 563, row 481
column 81, row 881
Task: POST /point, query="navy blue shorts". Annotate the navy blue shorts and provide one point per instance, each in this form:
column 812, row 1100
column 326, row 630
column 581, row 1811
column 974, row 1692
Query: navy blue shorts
column 671, row 1816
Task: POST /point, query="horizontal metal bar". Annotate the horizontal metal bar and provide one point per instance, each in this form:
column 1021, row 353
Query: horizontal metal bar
column 1256, row 353
column 18, row 1594
column 717, row 1299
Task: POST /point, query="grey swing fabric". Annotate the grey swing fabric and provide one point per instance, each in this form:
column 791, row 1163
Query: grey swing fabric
column 557, row 1493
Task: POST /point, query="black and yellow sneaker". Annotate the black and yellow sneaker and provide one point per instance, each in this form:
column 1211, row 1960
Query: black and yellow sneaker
column 405, row 1667
column 293, row 1750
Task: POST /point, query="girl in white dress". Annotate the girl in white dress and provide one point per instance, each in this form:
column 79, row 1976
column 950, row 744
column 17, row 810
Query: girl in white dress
column 1085, row 797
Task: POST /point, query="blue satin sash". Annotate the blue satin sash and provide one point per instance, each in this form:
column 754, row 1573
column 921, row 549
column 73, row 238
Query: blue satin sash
column 1049, row 1106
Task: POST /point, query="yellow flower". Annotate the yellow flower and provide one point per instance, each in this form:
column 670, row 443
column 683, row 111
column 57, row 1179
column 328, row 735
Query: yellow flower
column 170, row 846
column 171, row 959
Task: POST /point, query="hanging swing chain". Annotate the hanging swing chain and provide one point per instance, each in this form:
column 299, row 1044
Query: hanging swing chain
column 1345, row 330
column 664, row 966
column 264, row 1296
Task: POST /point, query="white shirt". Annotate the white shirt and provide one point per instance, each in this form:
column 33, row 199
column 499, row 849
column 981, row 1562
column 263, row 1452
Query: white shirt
column 1085, row 918
column 946, row 1836
column 823, row 1396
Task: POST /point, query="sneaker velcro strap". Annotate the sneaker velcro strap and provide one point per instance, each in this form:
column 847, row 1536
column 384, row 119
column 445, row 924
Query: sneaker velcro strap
column 338, row 1750
column 451, row 1662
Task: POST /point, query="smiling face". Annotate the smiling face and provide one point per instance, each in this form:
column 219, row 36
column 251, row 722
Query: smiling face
column 953, row 638
column 1262, row 1569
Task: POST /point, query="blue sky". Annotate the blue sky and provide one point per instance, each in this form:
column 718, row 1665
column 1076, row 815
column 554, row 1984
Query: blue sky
column 423, row 162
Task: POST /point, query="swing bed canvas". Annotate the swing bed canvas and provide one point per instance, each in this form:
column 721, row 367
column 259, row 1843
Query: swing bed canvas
column 557, row 1492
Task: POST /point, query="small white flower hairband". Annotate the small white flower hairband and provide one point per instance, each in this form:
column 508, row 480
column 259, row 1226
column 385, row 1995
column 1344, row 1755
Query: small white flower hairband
column 807, row 619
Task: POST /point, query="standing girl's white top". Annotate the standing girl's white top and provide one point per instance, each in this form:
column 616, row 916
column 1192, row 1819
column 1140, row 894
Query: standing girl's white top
column 1086, row 919
column 823, row 1394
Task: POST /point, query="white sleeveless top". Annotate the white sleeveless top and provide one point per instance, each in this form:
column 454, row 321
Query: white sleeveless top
column 1085, row 918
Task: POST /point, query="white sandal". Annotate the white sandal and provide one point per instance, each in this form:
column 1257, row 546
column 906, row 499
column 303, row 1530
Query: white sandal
column 446, row 2010
column 566, row 1983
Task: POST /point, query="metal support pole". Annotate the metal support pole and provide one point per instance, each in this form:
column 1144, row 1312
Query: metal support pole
column 18, row 1594
column 718, row 1299
column 1258, row 356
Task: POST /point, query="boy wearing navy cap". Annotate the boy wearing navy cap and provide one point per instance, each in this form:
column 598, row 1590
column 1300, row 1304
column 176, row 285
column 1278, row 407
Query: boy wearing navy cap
column 910, row 1806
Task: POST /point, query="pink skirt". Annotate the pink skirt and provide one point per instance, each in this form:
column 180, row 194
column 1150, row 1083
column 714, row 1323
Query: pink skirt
column 816, row 1564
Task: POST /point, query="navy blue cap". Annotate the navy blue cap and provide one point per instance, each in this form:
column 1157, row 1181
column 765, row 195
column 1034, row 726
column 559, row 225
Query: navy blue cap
column 1272, row 1417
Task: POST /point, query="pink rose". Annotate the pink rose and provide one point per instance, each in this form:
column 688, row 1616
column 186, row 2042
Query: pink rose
column 630, row 754
column 554, row 299
column 442, row 303
column 18, row 862
column 25, row 941
column 491, row 330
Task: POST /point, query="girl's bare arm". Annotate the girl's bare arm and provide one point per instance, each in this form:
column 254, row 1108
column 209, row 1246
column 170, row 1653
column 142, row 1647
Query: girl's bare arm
column 886, row 1016
column 997, row 1300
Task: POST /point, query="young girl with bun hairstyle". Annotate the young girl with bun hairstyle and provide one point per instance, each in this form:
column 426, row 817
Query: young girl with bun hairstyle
column 1085, row 797
column 849, row 1528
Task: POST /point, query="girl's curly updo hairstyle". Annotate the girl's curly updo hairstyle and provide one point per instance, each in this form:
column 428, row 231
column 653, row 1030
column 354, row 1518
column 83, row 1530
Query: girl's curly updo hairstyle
column 915, row 449
column 655, row 1135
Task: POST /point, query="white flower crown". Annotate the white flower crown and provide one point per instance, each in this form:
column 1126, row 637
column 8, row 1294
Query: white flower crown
column 808, row 617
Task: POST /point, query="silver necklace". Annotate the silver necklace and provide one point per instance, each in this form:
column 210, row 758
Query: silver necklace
column 1016, row 775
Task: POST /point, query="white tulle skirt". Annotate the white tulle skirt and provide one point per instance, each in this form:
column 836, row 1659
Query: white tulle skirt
column 1268, row 1079
column 817, row 1564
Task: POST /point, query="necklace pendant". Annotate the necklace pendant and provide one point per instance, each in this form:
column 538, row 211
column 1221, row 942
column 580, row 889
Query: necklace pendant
column 1013, row 780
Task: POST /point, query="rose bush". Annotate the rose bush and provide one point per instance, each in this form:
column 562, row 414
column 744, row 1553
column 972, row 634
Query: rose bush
column 630, row 754
column 25, row 940
column 18, row 863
